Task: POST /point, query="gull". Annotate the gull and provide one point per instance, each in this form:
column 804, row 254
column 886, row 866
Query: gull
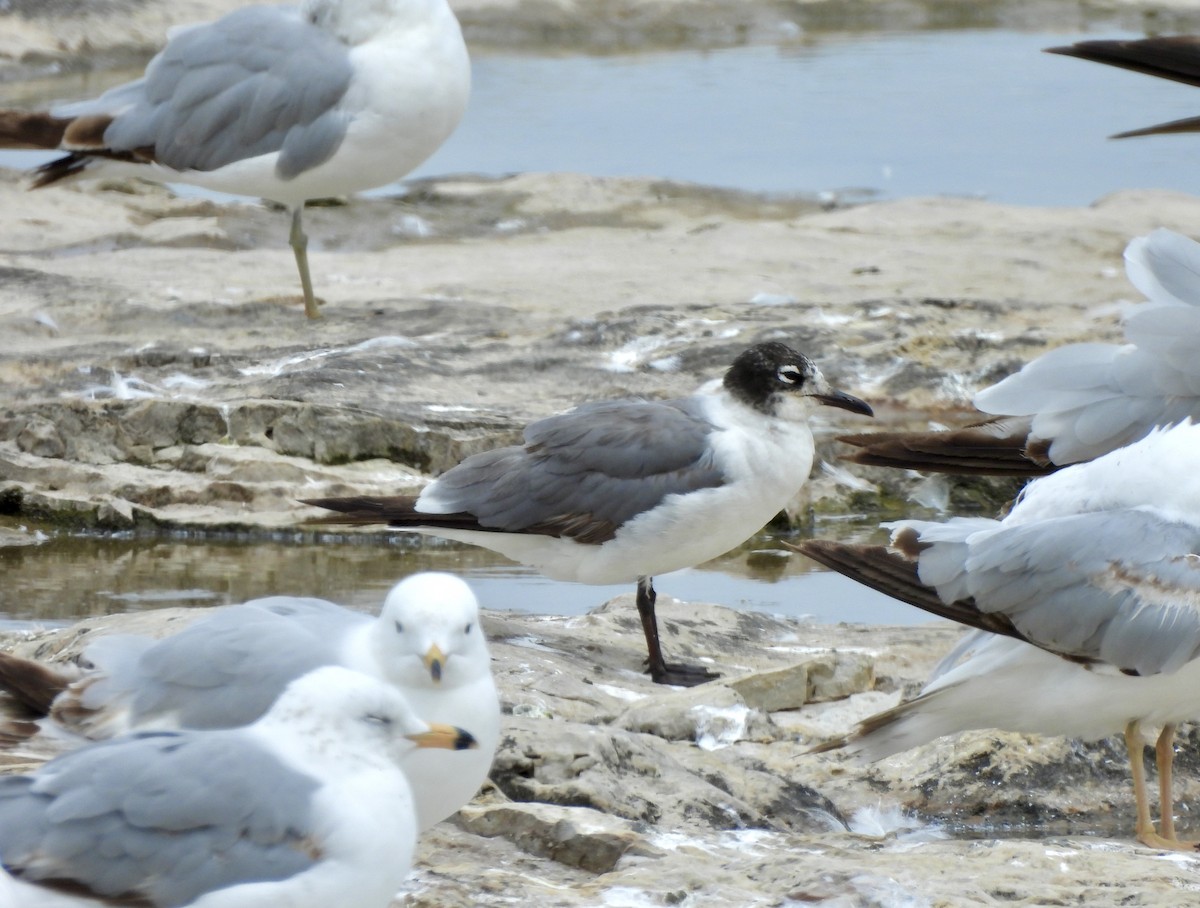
column 287, row 103
column 226, row 669
column 307, row 808
column 1078, row 401
column 618, row 491
column 1174, row 57
column 1087, row 597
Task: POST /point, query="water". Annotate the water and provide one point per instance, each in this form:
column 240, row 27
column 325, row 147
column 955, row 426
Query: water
column 69, row 577
column 977, row 113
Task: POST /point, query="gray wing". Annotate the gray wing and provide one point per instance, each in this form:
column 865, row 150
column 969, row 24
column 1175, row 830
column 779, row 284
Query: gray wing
column 224, row 670
column 160, row 817
column 584, row 473
column 259, row 80
column 1120, row 587
column 1088, row 399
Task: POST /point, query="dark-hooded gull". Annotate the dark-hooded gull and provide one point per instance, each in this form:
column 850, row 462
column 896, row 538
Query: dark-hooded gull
column 285, row 103
column 1082, row 400
column 618, row 491
column 307, row 808
column 1089, row 596
column 227, row 668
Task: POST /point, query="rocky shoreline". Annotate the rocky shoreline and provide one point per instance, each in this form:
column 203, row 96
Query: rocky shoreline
column 609, row 790
column 155, row 378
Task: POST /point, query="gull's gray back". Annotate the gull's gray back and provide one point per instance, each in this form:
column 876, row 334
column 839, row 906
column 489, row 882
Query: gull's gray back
column 165, row 816
column 257, row 81
column 585, row 472
column 224, row 670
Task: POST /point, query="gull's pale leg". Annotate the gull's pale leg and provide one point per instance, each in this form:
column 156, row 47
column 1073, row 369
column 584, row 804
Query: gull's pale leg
column 1164, row 757
column 1146, row 833
column 1133, row 743
column 300, row 247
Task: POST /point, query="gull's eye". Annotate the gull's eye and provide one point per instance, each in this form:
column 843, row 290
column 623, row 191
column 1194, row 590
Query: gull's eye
column 467, row 629
column 399, row 628
column 373, row 719
column 790, row 375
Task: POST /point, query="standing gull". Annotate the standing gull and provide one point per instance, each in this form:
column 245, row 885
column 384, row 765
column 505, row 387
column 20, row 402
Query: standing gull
column 1089, row 594
column 1079, row 401
column 618, row 491
column 307, row 808
column 226, row 669
column 287, row 103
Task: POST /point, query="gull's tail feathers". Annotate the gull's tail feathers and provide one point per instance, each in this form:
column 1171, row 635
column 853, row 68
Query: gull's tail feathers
column 81, row 137
column 394, row 511
column 33, row 684
column 32, row 129
column 998, row 447
column 903, row 727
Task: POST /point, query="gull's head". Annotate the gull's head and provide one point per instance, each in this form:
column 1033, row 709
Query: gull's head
column 336, row 709
column 428, row 633
column 776, row 380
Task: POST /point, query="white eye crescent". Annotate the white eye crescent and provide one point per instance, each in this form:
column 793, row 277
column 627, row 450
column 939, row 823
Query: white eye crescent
column 790, row 375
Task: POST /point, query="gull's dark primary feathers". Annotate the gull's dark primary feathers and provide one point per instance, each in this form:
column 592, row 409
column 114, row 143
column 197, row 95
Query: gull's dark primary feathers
column 1080, row 401
column 999, row 447
column 1175, row 57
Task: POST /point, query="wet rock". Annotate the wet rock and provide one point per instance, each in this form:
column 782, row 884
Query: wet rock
column 710, row 715
column 40, row 437
column 601, row 814
column 630, row 775
column 11, row 538
column 575, row 836
column 830, row 676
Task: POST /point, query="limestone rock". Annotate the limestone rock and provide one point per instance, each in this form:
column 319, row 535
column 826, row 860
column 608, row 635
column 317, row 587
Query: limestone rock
column 710, row 715
column 575, row 836
column 827, row 676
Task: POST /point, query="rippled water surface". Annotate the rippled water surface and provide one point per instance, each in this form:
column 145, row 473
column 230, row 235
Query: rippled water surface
column 959, row 112
column 68, row 577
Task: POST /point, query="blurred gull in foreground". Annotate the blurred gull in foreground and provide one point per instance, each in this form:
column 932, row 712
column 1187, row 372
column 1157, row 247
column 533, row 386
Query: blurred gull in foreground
column 286, row 103
column 1091, row 588
column 1082, row 400
column 307, row 808
column 618, row 491
column 226, row 669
